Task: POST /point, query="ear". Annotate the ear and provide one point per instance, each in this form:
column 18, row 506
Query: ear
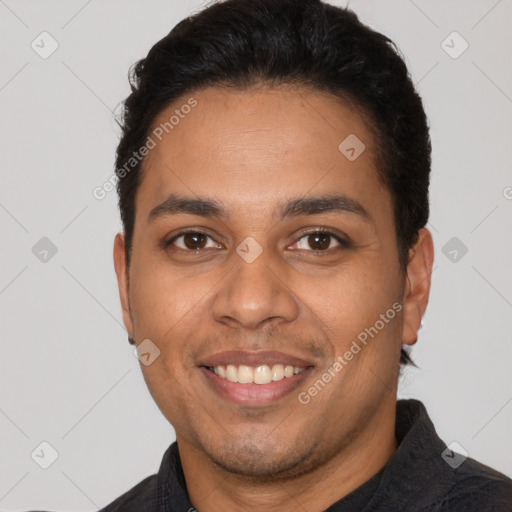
column 417, row 285
column 122, row 281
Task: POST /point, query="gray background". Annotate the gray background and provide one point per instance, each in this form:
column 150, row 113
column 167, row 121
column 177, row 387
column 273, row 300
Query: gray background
column 67, row 372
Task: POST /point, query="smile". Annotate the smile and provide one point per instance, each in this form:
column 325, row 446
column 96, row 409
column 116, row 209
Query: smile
column 260, row 374
column 252, row 378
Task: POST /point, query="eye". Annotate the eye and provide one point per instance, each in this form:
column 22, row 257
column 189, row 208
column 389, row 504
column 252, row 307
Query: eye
column 320, row 241
column 192, row 241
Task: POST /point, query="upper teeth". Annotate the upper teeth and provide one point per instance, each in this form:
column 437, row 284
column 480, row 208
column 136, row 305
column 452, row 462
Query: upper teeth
column 262, row 374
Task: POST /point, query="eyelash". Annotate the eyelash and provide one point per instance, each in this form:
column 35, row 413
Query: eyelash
column 344, row 244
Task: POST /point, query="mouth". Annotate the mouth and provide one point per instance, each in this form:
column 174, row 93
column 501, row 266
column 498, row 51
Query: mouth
column 256, row 378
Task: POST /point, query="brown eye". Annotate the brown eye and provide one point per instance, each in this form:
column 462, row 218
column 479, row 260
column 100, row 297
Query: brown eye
column 194, row 240
column 319, row 241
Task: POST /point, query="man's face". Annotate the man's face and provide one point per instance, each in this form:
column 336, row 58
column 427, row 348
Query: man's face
column 253, row 285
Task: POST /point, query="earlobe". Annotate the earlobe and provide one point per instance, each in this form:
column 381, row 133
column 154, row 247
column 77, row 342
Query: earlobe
column 122, row 281
column 417, row 285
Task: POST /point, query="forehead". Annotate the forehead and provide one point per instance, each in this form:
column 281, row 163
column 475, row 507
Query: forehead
column 250, row 148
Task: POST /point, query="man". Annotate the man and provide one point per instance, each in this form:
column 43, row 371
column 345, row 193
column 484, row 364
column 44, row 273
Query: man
column 275, row 267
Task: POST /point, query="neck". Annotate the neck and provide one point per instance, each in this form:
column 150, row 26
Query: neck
column 212, row 488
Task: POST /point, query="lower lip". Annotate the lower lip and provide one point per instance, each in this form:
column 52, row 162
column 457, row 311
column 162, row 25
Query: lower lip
column 255, row 394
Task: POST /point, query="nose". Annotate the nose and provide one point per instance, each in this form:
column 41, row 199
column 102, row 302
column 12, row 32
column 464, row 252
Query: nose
column 253, row 295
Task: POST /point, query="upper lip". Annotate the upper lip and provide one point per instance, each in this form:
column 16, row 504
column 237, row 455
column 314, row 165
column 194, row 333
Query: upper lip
column 249, row 358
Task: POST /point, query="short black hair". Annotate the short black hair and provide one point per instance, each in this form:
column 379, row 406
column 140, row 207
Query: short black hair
column 310, row 44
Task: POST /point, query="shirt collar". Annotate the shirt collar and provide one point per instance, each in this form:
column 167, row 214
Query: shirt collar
column 416, row 472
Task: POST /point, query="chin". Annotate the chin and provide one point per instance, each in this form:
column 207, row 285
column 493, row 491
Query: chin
column 262, row 460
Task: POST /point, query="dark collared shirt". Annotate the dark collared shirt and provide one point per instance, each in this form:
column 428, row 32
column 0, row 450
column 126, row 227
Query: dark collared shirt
column 421, row 476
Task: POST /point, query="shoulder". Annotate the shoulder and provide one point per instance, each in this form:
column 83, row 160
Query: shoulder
column 425, row 475
column 140, row 498
column 478, row 487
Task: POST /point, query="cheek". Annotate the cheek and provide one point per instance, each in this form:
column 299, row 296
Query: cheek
column 161, row 299
column 170, row 390
column 360, row 313
column 349, row 301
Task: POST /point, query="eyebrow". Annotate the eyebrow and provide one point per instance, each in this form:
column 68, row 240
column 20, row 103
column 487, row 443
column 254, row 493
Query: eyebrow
column 207, row 207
